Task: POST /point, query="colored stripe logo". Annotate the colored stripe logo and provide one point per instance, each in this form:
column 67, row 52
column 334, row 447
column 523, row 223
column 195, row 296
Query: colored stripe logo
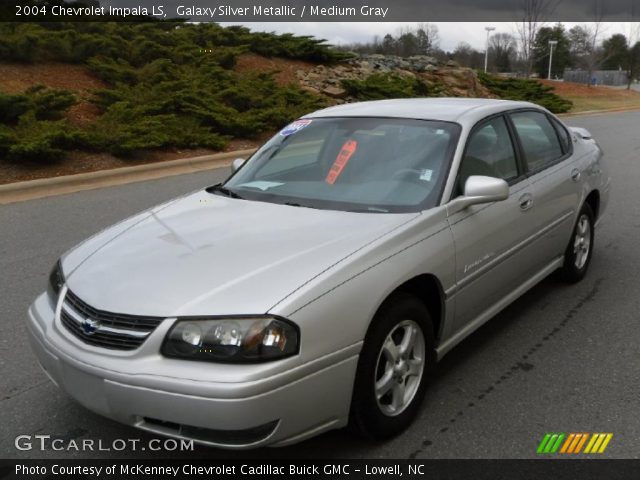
column 574, row 443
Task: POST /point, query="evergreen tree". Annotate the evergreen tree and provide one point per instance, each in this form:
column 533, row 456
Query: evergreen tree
column 561, row 54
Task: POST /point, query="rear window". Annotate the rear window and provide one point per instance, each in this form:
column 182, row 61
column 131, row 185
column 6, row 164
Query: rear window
column 538, row 138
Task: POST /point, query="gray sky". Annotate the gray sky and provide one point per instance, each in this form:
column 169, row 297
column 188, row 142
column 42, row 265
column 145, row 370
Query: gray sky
column 451, row 33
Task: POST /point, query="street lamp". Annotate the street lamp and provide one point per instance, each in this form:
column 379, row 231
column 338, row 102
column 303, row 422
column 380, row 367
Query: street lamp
column 486, row 51
column 551, row 44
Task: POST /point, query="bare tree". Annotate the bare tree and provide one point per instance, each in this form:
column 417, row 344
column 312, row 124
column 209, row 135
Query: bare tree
column 534, row 15
column 584, row 50
column 428, row 38
column 468, row 56
column 502, row 48
column 594, row 55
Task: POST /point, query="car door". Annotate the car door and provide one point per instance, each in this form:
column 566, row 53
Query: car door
column 492, row 256
column 546, row 149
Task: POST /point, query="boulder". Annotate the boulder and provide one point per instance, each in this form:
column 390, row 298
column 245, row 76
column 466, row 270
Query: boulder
column 335, row 92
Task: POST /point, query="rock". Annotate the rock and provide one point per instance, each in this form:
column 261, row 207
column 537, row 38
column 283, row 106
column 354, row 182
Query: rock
column 310, row 89
column 405, row 73
column 444, row 79
column 335, row 92
column 424, row 59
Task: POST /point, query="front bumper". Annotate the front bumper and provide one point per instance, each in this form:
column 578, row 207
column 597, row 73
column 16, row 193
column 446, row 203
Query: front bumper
column 278, row 410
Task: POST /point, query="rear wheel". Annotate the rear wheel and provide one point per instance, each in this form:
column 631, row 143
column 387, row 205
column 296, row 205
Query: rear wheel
column 580, row 249
column 396, row 358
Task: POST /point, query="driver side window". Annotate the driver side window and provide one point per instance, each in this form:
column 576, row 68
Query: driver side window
column 489, row 153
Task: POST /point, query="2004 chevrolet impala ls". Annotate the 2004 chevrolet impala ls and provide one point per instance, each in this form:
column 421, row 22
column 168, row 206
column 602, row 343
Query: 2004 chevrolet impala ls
column 318, row 285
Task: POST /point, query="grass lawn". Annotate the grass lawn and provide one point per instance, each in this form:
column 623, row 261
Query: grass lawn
column 587, row 98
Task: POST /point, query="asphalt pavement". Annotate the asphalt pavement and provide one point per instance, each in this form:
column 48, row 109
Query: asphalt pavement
column 560, row 359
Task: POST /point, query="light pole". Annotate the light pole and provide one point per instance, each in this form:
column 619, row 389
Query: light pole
column 551, row 44
column 486, row 51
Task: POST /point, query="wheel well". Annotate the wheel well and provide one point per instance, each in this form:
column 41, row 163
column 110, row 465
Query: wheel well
column 428, row 290
column 593, row 200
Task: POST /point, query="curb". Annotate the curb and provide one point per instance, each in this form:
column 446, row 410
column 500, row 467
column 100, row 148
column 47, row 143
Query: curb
column 47, row 187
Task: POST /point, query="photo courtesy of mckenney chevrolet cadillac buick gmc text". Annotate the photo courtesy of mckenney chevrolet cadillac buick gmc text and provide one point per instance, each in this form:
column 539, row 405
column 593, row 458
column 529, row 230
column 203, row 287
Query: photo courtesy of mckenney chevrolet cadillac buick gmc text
column 319, row 285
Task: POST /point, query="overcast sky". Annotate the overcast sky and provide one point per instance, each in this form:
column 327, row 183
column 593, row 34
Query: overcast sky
column 450, row 33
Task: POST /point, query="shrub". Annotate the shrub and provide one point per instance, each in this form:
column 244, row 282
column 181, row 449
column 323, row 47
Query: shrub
column 44, row 103
column 163, row 89
column 112, row 71
column 49, row 104
column 141, row 43
column 12, row 106
column 125, row 129
column 527, row 90
column 40, row 141
column 386, row 85
column 6, row 140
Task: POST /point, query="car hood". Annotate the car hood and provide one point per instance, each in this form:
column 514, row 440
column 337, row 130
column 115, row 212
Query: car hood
column 205, row 254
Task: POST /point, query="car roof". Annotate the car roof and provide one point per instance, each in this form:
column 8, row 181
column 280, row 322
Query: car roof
column 461, row 110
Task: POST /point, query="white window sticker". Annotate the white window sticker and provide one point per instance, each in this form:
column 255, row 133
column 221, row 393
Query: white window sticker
column 426, row 175
column 294, row 127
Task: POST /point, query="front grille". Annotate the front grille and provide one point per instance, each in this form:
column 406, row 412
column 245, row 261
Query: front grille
column 103, row 329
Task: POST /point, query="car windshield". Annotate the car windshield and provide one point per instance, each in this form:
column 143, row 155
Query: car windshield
column 351, row 164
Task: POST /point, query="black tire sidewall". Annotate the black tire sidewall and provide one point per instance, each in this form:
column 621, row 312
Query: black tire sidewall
column 366, row 415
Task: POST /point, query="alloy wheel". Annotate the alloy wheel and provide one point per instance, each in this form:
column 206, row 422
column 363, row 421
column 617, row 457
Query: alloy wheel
column 582, row 242
column 399, row 368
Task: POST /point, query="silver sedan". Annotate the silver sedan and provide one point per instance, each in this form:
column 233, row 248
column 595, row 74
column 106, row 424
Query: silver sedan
column 320, row 284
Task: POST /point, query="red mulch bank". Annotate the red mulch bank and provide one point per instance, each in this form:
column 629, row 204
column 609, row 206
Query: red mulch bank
column 285, row 69
column 17, row 77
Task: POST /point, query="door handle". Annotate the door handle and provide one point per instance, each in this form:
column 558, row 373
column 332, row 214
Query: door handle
column 526, row 202
column 575, row 174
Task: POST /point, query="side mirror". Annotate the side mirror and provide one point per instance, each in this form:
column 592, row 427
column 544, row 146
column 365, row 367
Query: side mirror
column 236, row 164
column 479, row 189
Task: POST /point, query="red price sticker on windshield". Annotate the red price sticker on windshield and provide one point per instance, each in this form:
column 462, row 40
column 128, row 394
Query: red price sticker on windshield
column 347, row 150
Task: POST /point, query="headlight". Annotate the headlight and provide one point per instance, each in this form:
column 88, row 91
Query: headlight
column 232, row 340
column 56, row 281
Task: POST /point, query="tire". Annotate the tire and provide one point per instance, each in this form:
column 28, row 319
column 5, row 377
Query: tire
column 577, row 256
column 401, row 375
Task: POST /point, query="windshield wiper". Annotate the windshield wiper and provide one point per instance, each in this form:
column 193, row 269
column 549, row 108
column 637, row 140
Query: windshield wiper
column 223, row 190
column 293, row 204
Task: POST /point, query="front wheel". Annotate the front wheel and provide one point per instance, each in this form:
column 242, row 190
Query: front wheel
column 580, row 249
column 397, row 355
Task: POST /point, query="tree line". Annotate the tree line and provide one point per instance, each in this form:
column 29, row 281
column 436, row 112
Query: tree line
column 581, row 47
